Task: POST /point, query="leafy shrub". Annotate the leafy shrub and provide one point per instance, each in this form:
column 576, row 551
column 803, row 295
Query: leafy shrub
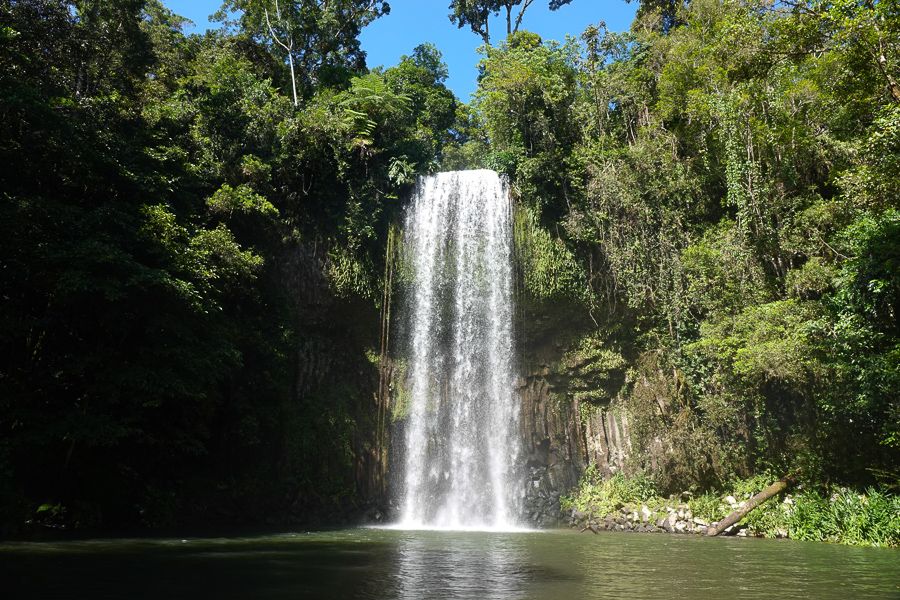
column 604, row 496
column 708, row 507
column 846, row 517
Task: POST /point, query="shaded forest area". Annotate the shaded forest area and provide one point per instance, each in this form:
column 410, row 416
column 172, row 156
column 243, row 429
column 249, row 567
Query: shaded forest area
column 195, row 230
column 190, row 263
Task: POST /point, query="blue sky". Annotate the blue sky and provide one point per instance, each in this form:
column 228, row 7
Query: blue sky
column 413, row 22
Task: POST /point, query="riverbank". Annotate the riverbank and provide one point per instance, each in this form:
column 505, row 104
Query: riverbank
column 844, row 516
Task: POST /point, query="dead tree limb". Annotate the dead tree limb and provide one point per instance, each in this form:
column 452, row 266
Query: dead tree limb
column 773, row 490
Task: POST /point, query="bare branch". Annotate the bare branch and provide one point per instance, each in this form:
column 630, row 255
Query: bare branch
column 272, row 30
column 288, row 48
column 522, row 14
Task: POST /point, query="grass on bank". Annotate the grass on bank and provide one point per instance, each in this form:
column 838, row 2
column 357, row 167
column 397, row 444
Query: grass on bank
column 840, row 515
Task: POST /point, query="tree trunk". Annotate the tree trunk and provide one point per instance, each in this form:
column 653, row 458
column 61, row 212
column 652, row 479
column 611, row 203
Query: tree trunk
column 293, row 76
column 287, row 48
column 892, row 84
column 773, row 490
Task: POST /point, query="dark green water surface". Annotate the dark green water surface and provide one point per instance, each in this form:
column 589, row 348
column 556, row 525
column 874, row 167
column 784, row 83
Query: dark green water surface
column 371, row 563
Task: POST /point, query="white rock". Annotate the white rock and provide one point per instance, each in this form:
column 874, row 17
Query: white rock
column 731, row 500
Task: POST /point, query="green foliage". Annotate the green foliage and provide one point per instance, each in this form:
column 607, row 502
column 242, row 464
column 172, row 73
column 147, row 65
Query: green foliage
column 549, row 269
column 320, row 37
column 721, row 276
column 370, row 105
column 709, row 507
column 677, row 447
column 811, row 281
column 476, row 14
column 722, row 181
column 596, row 372
column 766, row 343
column 228, row 200
column 870, row 278
column 468, row 146
column 725, row 174
column 420, row 77
column 524, row 100
column 846, row 517
column 601, row 496
column 348, row 275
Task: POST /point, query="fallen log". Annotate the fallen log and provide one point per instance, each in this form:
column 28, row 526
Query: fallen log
column 773, row 490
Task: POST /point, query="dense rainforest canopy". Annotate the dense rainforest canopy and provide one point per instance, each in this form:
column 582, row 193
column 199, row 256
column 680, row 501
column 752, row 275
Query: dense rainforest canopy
column 195, row 230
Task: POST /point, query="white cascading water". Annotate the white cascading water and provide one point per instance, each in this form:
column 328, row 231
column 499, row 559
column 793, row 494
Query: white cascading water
column 462, row 441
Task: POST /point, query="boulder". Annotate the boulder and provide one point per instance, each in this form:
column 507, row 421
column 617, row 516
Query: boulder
column 669, row 523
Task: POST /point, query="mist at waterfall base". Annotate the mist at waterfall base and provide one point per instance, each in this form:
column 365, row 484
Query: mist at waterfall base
column 461, row 467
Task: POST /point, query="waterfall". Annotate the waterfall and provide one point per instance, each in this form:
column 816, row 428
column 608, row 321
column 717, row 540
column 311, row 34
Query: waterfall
column 462, row 441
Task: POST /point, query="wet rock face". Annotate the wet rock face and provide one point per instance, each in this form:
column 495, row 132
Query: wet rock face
column 542, row 505
column 570, row 376
column 561, row 440
column 554, row 451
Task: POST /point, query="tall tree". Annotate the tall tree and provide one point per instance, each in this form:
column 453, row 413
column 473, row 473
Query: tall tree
column 663, row 13
column 316, row 38
column 477, row 13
